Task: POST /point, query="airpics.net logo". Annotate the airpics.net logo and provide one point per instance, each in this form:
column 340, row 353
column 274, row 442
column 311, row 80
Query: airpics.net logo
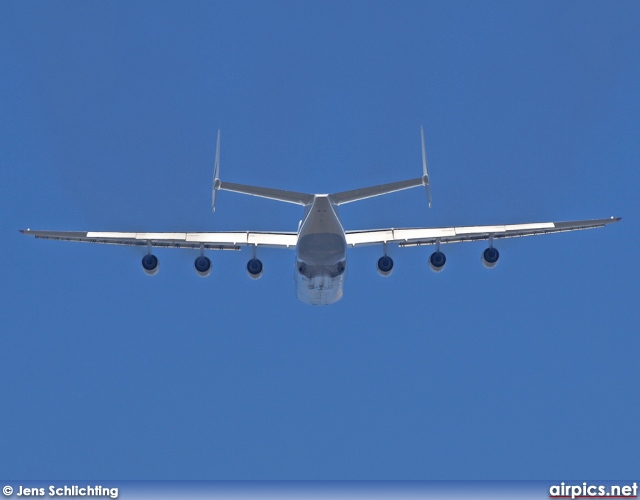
column 586, row 490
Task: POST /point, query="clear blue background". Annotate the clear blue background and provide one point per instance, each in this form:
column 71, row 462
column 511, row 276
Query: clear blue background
column 108, row 116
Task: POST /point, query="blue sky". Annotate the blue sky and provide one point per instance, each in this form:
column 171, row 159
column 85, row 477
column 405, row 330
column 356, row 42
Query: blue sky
column 109, row 114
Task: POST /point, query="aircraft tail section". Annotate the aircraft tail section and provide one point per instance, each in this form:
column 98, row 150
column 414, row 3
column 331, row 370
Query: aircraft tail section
column 306, row 199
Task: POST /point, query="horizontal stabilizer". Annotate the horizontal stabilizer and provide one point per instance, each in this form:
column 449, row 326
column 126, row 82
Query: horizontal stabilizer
column 369, row 192
column 263, row 192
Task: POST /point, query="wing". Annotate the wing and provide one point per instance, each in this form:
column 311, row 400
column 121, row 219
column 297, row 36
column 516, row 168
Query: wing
column 431, row 235
column 211, row 240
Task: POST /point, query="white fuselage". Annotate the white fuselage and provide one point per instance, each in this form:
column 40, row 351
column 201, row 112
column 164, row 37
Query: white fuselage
column 321, row 254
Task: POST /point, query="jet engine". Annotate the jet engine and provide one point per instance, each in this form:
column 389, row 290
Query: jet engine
column 202, row 265
column 254, row 269
column 437, row 261
column 385, row 265
column 150, row 264
column 490, row 257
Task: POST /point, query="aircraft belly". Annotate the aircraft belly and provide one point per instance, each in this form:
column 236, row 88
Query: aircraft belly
column 318, row 249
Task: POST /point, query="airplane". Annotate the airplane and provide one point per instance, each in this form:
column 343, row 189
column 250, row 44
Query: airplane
column 321, row 242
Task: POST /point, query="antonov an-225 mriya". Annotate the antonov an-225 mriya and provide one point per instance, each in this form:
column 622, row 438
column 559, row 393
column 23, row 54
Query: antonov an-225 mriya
column 321, row 242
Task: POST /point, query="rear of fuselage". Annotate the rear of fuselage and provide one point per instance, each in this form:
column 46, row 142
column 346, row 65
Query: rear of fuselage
column 321, row 254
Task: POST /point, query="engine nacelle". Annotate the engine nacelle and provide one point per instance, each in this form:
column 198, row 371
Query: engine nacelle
column 437, row 261
column 490, row 257
column 150, row 264
column 254, row 269
column 202, row 265
column 385, row 265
